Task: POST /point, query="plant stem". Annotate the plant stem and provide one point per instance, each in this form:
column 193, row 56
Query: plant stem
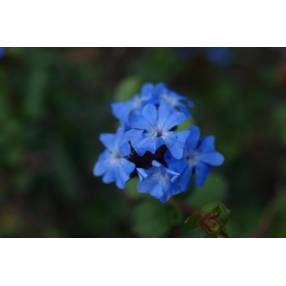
column 186, row 208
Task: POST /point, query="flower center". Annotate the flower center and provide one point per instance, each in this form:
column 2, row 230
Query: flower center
column 115, row 157
column 162, row 177
column 193, row 158
column 157, row 132
column 169, row 99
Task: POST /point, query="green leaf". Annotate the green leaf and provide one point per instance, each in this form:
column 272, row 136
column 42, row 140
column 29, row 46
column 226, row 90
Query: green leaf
column 131, row 189
column 187, row 124
column 153, row 219
column 214, row 191
column 127, row 88
column 34, row 99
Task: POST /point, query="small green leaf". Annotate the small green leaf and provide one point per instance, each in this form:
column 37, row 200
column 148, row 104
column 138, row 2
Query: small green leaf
column 187, row 124
column 127, row 88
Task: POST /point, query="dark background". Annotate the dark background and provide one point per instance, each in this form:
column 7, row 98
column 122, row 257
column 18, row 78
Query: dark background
column 54, row 103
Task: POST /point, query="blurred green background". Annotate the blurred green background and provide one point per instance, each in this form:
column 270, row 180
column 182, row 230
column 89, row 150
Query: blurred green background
column 54, row 103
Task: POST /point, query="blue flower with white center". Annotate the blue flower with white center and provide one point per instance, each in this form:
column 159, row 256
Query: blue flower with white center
column 150, row 94
column 122, row 110
column 154, row 127
column 112, row 163
column 173, row 99
column 199, row 157
column 162, row 94
column 158, row 181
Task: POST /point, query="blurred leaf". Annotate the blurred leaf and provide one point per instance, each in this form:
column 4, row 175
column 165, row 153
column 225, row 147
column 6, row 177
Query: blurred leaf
column 279, row 120
column 187, row 124
column 131, row 189
column 158, row 65
column 214, row 191
column 127, row 88
column 34, row 99
column 64, row 171
column 153, row 219
column 194, row 220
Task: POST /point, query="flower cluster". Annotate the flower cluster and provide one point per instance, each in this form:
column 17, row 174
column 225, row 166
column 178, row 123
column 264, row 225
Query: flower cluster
column 148, row 145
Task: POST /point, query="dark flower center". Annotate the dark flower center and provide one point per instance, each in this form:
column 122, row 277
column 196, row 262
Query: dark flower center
column 146, row 160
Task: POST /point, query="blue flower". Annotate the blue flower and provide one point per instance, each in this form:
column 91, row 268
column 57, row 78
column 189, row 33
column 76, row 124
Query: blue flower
column 2, row 52
column 123, row 110
column 112, row 163
column 162, row 94
column 154, row 127
column 157, row 181
column 199, row 157
column 150, row 94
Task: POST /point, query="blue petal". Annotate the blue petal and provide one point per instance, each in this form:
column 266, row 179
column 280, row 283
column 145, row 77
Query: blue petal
column 185, row 110
column 174, row 119
column 147, row 90
column 172, row 175
column 176, row 165
column 159, row 193
column 142, row 174
column 175, row 149
column 184, row 180
column 121, row 110
column 124, row 149
column 153, row 187
column 100, row 167
column 207, row 144
column 160, row 88
column 147, row 143
column 163, row 113
column 120, row 137
column 139, row 122
column 122, row 172
column 109, row 176
column 128, row 166
column 146, row 185
column 202, row 172
column 148, row 94
column 156, row 164
column 193, row 138
column 108, row 140
column 182, row 136
column 176, row 143
column 213, row 159
column 134, row 135
column 150, row 114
